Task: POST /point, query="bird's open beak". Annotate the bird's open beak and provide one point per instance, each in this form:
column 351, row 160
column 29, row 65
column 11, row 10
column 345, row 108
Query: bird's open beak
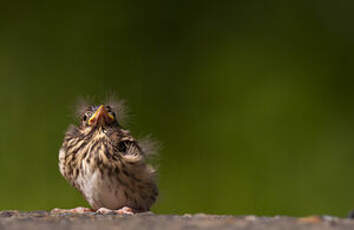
column 101, row 115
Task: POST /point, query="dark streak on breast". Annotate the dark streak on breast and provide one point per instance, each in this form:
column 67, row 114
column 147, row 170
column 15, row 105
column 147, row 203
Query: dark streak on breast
column 107, row 153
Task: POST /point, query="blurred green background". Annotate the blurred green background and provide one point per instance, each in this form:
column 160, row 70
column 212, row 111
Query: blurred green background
column 252, row 101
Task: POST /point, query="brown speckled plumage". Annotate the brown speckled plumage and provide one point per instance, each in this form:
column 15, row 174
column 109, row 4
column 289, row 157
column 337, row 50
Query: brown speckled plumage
column 105, row 163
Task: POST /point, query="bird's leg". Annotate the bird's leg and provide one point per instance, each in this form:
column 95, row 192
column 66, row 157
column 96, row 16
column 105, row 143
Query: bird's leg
column 125, row 210
column 78, row 210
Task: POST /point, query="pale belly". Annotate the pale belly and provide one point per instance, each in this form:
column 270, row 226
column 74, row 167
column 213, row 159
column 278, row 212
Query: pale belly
column 100, row 192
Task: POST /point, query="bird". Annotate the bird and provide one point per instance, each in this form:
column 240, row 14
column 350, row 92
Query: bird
column 106, row 164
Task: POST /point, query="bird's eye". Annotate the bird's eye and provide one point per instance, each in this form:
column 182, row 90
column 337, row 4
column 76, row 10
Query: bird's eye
column 86, row 116
column 122, row 147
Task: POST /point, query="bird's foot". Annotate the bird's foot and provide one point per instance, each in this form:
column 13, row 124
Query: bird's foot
column 78, row 210
column 125, row 210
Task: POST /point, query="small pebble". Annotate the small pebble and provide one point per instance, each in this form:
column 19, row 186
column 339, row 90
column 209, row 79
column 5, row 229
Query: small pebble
column 251, row 218
column 351, row 214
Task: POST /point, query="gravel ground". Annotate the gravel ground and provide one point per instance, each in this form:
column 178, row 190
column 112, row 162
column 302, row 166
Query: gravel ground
column 44, row 220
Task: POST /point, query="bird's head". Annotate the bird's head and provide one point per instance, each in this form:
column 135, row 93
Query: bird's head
column 98, row 116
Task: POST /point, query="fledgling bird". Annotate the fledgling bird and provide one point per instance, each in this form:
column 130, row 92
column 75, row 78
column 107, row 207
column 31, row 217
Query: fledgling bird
column 106, row 164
